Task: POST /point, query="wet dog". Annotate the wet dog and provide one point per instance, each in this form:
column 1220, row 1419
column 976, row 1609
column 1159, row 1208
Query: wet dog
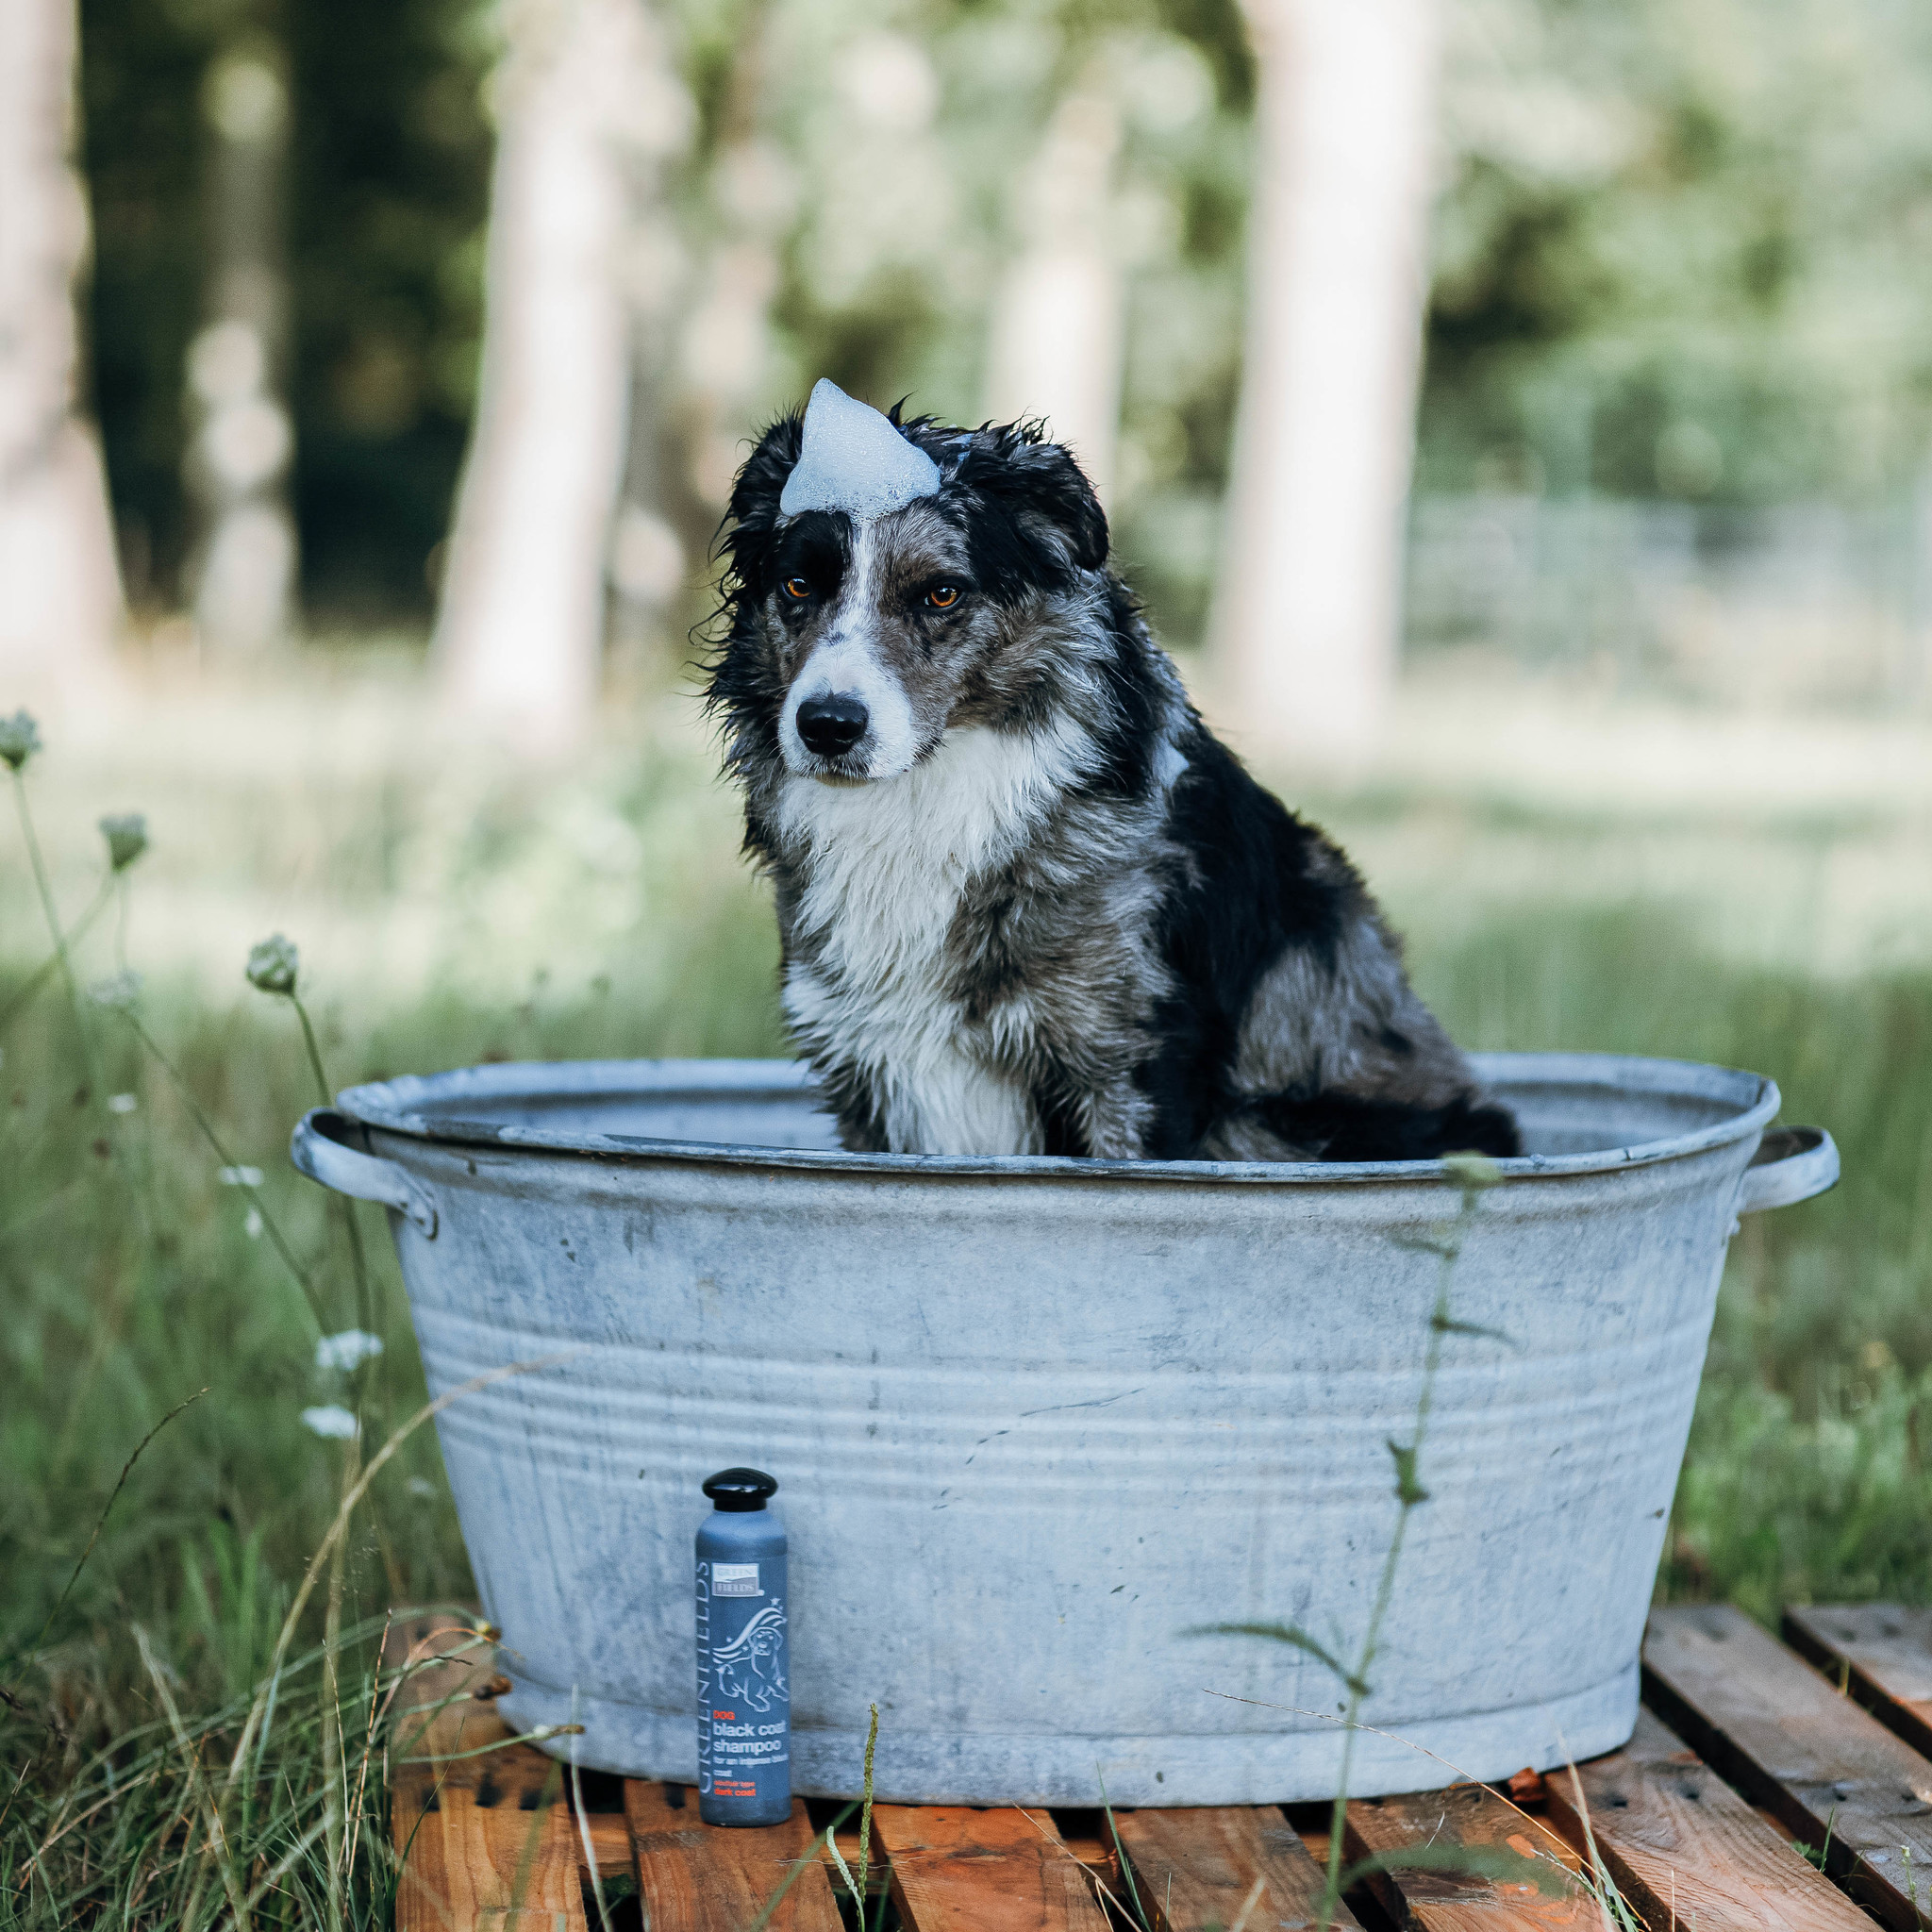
column 1028, row 903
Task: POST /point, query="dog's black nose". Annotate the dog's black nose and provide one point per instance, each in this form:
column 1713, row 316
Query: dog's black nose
column 833, row 723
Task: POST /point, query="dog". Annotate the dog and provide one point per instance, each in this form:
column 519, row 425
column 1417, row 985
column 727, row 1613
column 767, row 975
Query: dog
column 1028, row 903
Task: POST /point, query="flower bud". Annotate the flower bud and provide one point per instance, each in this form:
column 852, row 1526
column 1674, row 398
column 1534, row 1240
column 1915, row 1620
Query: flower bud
column 126, row 836
column 272, row 965
column 20, row 738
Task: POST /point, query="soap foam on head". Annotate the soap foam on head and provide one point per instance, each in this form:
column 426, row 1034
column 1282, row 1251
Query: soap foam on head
column 853, row 459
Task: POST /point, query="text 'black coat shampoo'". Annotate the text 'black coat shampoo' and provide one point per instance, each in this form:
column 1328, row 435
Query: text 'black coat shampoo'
column 745, row 1681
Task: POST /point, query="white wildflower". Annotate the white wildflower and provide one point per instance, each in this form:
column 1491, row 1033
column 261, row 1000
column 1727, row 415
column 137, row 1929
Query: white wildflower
column 119, row 992
column 349, row 1350
column 251, row 1226
column 333, row 1421
column 420, row 1486
column 122, row 1103
column 240, row 1177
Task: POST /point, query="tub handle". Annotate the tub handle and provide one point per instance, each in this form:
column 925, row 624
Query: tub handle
column 321, row 1148
column 1790, row 1164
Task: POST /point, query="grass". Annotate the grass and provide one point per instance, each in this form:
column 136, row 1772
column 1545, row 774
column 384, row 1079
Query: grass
column 451, row 910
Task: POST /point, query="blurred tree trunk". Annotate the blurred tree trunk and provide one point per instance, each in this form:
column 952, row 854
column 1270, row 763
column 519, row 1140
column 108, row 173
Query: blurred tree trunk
column 1058, row 318
column 587, row 106
column 752, row 194
column 649, row 546
column 237, row 460
column 1304, row 625
column 59, row 581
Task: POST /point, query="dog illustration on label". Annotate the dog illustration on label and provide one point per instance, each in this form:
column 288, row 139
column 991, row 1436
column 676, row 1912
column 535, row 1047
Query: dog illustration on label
column 751, row 1668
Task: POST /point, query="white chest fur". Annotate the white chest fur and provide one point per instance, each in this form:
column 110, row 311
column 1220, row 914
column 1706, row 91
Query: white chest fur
column 883, row 867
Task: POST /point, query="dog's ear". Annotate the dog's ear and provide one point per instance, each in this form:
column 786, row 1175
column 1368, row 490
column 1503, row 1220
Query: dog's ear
column 753, row 515
column 1044, row 496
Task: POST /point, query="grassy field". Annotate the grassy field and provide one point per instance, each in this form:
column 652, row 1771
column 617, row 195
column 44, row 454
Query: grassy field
column 1753, row 892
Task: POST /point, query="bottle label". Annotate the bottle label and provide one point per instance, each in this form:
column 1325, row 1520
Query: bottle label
column 745, row 1697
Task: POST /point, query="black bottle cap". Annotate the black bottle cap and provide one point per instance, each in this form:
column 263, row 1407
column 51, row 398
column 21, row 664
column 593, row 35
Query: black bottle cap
column 741, row 1489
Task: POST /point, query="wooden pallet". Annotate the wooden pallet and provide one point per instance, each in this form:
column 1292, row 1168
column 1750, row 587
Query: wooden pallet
column 1748, row 1750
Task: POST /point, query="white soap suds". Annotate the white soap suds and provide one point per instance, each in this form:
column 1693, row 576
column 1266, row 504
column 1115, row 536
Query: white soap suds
column 853, row 459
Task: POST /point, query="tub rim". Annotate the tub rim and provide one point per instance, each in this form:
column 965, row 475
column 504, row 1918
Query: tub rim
column 395, row 1106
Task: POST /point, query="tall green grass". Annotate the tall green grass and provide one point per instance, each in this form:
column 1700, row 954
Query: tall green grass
column 133, row 1276
column 1809, row 1474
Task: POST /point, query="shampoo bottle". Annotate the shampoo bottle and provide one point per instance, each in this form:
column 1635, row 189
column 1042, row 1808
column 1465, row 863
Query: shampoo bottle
column 744, row 1684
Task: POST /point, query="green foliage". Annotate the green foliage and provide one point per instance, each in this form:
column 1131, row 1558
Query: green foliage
column 1681, row 250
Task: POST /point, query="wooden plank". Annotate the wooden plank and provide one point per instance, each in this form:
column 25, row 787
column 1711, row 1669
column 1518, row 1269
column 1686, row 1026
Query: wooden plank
column 1199, row 1868
column 1685, row 1849
column 443, row 1707
column 476, row 1868
column 484, row 1844
column 1880, row 1652
column 695, row 1877
column 956, row 1869
column 1452, row 1900
column 1781, row 1734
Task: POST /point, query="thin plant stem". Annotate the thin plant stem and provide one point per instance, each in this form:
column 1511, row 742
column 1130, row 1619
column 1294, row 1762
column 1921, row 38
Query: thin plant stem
column 51, row 964
column 365, row 1306
column 1616, row 1913
column 1256, row 1893
column 227, row 1161
column 799, row 1867
column 334, row 1764
column 872, row 1738
column 541, row 1735
column 1409, row 1496
column 376, row 1705
column 1120, row 1851
column 574, row 1782
column 215, row 1844
column 53, row 918
column 89, row 1053
column 100, row 1522
column 1111, row 1903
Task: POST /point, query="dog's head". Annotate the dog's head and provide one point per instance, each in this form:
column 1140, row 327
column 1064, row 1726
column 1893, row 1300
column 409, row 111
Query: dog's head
column 889, row 579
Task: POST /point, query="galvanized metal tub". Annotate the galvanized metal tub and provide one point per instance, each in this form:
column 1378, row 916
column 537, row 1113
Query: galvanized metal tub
column 1039, row 1420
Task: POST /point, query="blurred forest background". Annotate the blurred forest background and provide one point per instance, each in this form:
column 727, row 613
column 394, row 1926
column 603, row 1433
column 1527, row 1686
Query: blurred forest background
column 1672, row 413
column 1514, row 412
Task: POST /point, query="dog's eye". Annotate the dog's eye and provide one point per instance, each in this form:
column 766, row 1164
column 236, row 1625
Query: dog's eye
column 796, row 588
column 943, row 596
